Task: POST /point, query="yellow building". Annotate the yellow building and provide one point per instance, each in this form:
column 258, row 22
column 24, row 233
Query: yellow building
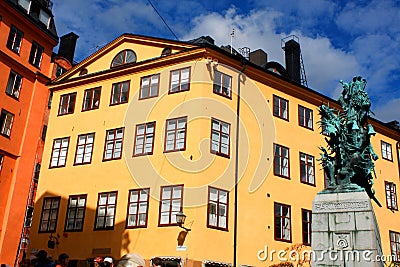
column 147, row 127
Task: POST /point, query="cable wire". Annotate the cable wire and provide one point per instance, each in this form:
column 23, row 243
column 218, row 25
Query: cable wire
column 163, row 20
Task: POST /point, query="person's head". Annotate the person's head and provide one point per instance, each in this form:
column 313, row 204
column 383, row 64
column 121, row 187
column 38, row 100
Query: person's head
column 98, row 262
column 108, row 262
column 41, row 255
column 63, row 259
column 156, row 262
column 131, row 260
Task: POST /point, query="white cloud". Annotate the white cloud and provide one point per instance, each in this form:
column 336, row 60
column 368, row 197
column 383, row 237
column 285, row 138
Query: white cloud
column 388, row 111
column 371, row 28
column 324, row 64
column 372, row 17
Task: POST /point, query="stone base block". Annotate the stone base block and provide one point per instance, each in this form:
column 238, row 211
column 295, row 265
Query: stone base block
column 345, row 231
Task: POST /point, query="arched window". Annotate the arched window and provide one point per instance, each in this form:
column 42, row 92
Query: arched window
column 166, row 52
column 123, row 57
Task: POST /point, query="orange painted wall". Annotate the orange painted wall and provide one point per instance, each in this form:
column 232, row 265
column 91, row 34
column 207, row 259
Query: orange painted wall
column 24, row 146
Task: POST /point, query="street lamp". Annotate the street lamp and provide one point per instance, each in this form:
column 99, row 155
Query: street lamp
column 180, row 219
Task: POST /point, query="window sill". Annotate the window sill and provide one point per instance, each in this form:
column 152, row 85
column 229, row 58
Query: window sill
column 175, row 92
column 119, row 103
column 282, row 118
column 220, row 154
column 306, row 183
column 306, row 127
column 223, row 95
column 218, row 228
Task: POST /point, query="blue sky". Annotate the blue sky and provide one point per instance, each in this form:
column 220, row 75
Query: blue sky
column 339, row 39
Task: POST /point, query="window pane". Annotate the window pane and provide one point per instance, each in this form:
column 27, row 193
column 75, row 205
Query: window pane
column 166, row 193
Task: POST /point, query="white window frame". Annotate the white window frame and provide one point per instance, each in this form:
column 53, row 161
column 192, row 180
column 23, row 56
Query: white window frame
column 6, row 122
column 14, row 84
column 386, row 151
column 84, row 149
column 59, row 152
column 220, row 85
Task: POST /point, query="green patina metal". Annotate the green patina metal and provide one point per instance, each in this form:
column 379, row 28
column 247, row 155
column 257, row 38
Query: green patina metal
column 348, row 157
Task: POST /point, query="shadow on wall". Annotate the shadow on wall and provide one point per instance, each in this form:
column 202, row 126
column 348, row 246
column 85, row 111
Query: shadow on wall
column 77, row 243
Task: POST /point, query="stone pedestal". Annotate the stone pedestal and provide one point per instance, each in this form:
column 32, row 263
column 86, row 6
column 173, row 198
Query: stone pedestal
column 345, row 231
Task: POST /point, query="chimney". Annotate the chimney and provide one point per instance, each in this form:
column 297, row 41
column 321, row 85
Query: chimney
column 258, row 57
column 67, row 46
column 292, row 59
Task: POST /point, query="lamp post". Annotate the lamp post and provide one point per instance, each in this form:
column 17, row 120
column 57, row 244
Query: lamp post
column 180, row 219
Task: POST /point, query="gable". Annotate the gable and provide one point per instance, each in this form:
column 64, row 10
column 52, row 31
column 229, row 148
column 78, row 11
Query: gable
column 144, row 48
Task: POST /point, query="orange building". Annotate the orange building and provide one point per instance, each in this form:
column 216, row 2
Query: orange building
column 27, row 38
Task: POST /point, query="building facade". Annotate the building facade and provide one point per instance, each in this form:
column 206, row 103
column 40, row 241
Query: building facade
column 146, row 128
column 27, row 39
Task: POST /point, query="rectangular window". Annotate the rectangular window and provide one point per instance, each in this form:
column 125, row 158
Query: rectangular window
column 395, row 245
column 59, row 152
column 391, row 196
column 15, row 39
column 144, row 139
column 175, row 132
column 44, row 17
column 180, row 80
column 283, row 230
column 50, row 100
column 217, row 208
column 222, row 84
column 35, row 57
column 84, row 149
column 25, row 4
column 67, row 104
column 305, row 117
column 220, row 140
column 60, row 70
column 105, row 212
column 48, row 219
column 306, row 226
column 149, row 86
column 386, row 151
column 113, row 144
column 6, row 122
column 44, row 132
column 138, row 207
column 28, row 216
column 1, row 161
column 281, row 107
column 120, row 93
column 307, row 172
column 75, row 213
column 281, row 161
column 170, row 204
column 14, row 85
column 91, row 99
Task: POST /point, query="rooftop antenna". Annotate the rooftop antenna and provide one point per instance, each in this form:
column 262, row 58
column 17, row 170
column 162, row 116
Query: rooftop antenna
column 232, row 36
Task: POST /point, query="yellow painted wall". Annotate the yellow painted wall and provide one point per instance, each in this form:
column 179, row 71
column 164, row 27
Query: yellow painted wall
column 258, row 188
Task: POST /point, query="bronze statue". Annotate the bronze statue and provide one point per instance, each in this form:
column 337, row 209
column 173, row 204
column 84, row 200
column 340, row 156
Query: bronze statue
column 348, row 158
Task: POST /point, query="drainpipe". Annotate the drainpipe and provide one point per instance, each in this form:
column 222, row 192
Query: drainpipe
column 235, row 231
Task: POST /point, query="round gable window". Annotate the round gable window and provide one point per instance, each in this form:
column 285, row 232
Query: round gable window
column 123, row 57
column 83, row 72
column 166, row 52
